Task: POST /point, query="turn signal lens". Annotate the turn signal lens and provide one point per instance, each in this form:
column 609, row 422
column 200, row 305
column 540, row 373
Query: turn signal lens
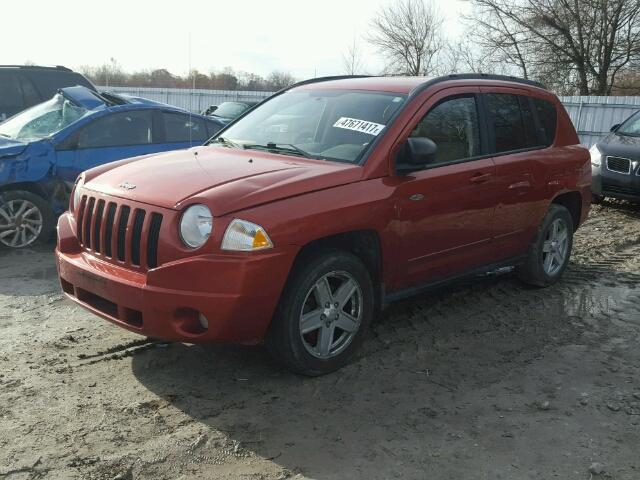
column 243, row 236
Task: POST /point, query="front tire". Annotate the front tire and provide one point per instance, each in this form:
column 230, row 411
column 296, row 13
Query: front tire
column 26, row 219
column 323, row 315
column 550, row 251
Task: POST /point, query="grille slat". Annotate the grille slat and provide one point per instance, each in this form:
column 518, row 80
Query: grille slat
column 108, row 230
column 119, row 232
column 97, row 225
column 620, row 165
column 88, row 217
column 83, row 204
column 152, row 240
column 122, row 231
column 136, row 236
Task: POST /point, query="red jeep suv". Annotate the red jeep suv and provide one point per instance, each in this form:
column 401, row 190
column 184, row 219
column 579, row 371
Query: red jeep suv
column 305, row 215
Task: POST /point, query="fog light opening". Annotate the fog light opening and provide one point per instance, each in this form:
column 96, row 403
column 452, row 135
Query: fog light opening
column 204, row 323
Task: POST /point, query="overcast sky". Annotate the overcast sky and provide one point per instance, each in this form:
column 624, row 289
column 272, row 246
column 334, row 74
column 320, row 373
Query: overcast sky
column 300, row 37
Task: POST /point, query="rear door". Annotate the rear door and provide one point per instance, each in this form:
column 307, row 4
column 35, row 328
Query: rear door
column 181, row 130
column 445, row 212
column 106, row 139
column 516, row 142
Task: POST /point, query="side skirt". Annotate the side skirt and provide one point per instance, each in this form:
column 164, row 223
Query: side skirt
column 485, row 270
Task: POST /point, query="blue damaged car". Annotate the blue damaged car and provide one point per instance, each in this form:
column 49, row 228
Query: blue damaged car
column 45, row 148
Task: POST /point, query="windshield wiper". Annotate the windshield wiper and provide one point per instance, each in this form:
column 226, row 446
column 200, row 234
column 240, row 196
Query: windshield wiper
column 281, row 147
column 5, row 135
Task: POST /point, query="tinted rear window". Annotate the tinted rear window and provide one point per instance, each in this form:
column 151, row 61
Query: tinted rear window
column 49, row 81
column 10, row 95
column 547, row 116
column 509, row 130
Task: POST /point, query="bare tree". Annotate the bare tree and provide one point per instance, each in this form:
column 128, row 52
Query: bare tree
column 579, row 45
column 408, row 34
column 352, row 59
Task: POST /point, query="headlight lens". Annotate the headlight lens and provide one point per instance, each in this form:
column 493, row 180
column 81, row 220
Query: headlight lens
column 245, row 237
column 596, row 156
column 195, row 225
column 76, row 193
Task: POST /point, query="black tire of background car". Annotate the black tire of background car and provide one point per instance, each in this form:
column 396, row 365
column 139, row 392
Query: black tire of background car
column 596, row 199
column 48, row 218
column 532, row 271
column 283, row 340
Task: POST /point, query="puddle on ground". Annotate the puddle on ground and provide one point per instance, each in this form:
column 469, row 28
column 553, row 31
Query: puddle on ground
column 619, row 302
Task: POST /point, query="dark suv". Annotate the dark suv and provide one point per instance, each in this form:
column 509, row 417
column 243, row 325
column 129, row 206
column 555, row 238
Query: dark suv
column 615, row 161
column 23, row 86
column 301, row 218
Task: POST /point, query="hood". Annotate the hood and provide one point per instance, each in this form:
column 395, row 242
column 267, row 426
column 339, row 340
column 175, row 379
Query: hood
column 83, row 96
column 225, row 179
column 11, row 148
column 620, row 146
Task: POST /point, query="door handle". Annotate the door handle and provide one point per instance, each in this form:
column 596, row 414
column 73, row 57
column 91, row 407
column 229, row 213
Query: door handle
column 480, row 178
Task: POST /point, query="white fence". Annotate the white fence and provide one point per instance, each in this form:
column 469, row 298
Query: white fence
column 195, row 100
column 591, row 116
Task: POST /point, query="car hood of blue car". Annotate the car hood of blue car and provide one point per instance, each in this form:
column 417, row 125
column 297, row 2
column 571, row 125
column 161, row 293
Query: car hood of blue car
column 11, row 148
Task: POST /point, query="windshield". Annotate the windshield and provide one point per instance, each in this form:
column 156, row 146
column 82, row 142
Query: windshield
column 43, row 120
column 230, row 109
column 631, row 126
column 325, row 124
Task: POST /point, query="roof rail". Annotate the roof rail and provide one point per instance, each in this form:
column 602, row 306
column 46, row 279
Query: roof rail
column 55, row 67
column 490, row 76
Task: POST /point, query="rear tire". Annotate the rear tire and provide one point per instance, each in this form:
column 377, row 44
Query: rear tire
column 550, row 251
column 323, row 315
column 26, row 219
column 596, row 199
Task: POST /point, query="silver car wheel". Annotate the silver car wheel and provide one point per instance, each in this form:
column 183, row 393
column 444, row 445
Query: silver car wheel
column 331, row 314
column 20, row 223
column 555, row 247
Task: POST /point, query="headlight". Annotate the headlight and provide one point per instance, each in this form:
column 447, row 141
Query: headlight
column 76, row 193
column 596, row 156
column 195, row 225
column 245, row 237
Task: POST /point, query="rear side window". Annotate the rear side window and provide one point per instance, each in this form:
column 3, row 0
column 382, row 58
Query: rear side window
column 184, row 128
column 118, row 130
column 508, row 129
column 10, row 94
column 31, row 96
column 453, row 126
column 548, row 118
column 48, row 82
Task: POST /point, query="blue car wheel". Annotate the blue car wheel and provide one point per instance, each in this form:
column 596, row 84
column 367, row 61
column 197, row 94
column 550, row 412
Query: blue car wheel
column 25, row 219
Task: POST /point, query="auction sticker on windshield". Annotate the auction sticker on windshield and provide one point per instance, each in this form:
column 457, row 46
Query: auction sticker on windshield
column 363, row 126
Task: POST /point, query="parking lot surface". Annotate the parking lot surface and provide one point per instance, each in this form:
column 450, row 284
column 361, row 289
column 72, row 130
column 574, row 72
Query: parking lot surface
column 485, row 380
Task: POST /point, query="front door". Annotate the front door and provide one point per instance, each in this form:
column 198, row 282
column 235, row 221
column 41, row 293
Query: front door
column 445, row 211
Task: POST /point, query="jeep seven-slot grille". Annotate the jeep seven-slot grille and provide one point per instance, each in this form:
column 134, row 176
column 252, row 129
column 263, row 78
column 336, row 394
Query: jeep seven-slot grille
column 119, row 232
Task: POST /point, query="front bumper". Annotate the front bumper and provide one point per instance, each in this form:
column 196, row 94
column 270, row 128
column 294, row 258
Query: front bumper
column 608, row 183
column 236, row 293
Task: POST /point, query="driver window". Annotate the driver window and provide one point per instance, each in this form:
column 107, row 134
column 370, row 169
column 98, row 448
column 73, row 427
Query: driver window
column 453, row 126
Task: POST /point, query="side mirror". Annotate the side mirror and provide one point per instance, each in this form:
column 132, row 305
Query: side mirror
column 615, row 127
column 415, row 154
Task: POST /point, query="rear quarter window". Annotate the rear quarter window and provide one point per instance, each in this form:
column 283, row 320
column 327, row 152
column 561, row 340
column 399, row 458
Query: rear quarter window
column 48, row 82
column 548, row 119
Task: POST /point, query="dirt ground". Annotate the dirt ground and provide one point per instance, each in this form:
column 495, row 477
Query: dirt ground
column 486, row 380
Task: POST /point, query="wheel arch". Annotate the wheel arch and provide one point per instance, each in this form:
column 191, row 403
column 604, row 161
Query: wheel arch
column 32, row 187
column 572, row 201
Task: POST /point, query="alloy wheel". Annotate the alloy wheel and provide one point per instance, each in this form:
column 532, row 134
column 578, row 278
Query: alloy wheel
column 555, row 247
column 331, row 314
column 20, row 223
